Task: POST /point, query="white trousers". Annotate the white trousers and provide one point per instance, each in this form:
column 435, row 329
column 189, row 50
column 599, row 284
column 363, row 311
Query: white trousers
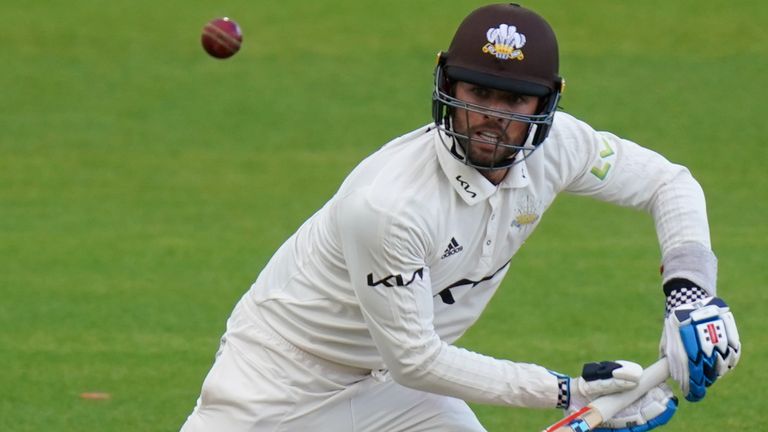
column 261, row 383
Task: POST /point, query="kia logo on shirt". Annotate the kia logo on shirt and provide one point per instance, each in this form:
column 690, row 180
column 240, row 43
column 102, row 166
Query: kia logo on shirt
column 465, row 185
column 395, row 280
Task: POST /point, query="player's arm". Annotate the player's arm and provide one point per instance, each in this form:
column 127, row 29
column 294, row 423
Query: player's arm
column 619, row 171
column 385, row 252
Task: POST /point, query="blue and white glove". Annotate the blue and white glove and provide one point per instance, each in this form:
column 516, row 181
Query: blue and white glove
column 654, row 409
column 699, row 339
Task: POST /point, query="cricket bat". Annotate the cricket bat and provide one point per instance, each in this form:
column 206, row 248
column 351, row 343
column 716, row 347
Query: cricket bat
column 605, row 407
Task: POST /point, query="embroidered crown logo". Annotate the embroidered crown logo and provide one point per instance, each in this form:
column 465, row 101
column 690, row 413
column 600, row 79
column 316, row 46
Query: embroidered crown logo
column 505, row 42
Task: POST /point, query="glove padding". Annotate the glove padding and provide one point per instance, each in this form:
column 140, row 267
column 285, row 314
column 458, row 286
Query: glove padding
column 598, row 379
column 654, row 409
column 701, row 343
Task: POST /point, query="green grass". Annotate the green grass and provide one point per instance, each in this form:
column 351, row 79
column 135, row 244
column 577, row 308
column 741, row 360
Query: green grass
column 144, row 185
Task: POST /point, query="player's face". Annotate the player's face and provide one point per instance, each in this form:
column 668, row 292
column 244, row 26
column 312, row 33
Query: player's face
column 484, row 130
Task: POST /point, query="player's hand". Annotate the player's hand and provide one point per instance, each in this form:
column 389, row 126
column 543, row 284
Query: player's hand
column 699, row 339
column 654, row 409
column 598, row 379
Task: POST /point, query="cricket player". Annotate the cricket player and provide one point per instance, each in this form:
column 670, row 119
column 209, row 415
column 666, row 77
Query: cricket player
column 351, row 324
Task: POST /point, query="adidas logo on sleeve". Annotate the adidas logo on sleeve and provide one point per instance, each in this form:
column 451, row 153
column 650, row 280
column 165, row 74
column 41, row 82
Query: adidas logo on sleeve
column 452, row 249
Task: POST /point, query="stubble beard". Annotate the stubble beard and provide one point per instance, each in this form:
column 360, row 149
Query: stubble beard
column 485, row 152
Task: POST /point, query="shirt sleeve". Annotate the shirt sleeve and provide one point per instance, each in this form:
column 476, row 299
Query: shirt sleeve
column 385, row 252
column 619, row 171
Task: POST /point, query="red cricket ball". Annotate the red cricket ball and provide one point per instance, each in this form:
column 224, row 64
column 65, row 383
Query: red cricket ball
column 222, row 38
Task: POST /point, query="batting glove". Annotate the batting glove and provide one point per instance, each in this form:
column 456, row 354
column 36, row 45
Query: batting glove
column 597, row 379
column 699, row 339
column 654, row 409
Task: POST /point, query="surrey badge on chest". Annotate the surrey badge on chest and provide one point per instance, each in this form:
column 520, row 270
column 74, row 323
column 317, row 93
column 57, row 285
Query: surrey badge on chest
column 527, row 212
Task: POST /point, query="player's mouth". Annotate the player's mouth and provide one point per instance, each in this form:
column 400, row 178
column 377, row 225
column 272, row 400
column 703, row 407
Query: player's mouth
column 488, row 141
column 488, row 137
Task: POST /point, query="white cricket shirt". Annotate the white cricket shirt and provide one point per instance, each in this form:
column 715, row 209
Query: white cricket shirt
column 403, row 259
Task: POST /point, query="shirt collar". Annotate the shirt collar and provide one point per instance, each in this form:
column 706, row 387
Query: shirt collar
column 518, row 176
column 468, row 182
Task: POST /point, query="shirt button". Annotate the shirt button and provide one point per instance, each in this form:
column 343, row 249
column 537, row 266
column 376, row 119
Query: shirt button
column 493, row 216
column 488, row 242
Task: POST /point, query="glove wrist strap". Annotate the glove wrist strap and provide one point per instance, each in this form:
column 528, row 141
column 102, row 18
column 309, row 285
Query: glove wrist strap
column 564, row 392
column 680, row 292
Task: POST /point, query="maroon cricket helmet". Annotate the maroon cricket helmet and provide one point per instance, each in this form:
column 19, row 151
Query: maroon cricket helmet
column 506, row 47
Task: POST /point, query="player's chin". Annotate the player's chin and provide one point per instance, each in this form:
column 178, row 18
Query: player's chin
column 488, row 154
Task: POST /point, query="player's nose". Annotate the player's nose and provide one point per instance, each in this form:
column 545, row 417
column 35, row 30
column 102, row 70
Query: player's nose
column 501, row 107
column 497, row 104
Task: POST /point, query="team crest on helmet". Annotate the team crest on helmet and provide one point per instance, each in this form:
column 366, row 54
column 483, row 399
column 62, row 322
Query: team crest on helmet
column 505, row 42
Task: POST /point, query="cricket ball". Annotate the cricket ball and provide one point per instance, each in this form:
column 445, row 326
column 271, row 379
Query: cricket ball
column 221, row 38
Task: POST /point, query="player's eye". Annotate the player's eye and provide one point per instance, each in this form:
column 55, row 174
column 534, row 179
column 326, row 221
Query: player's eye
column 481, row 92
column 516, row 99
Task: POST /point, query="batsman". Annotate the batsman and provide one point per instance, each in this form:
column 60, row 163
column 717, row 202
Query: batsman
column 352, row 324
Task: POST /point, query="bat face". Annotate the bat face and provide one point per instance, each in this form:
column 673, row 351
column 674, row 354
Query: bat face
column 582, row 420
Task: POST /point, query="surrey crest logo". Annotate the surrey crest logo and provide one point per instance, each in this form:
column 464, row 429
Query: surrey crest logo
column 526, row 214
column 505, row 42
